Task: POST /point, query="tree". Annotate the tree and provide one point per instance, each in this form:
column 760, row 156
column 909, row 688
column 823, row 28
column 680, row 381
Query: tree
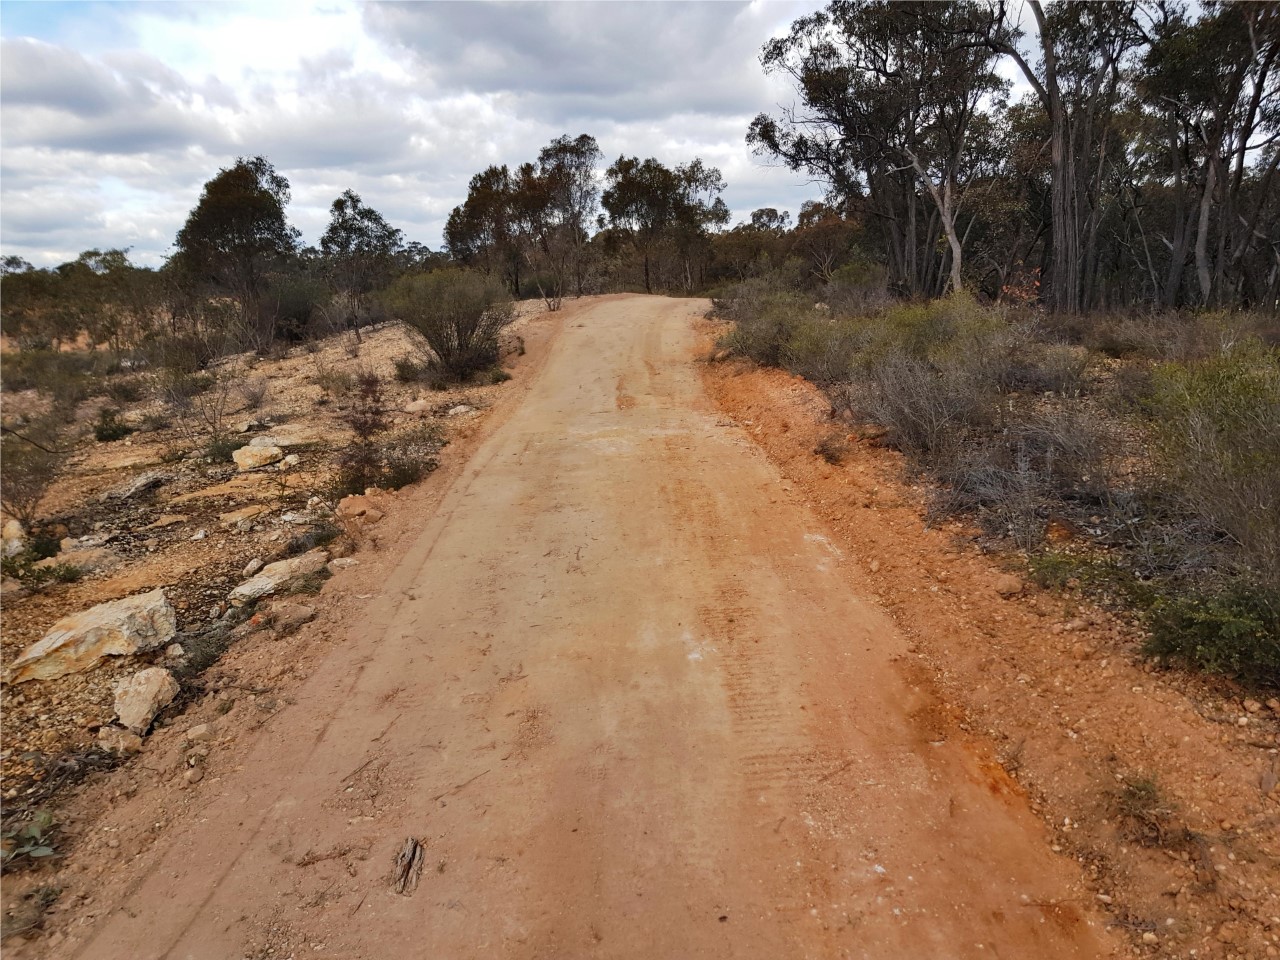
column 893, row 94
column 649, row 203
column 482, row 231
column 238, row 230
column 359, row 246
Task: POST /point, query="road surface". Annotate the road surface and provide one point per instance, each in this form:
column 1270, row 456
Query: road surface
column 625, row 692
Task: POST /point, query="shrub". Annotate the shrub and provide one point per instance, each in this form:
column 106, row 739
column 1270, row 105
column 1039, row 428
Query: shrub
column 221, row 446
column 459, row 313
column 127, row 389
column 29, row 462
column 253, row 391
column 109, row 427
column 832, row 448
column 1217, row 425
column 1234, row 631
column 761, row 327
column 320, row 535
column 389, row 464
column 334, row 383
column 407, row 370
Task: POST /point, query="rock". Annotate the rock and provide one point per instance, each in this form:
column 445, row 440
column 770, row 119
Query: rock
column 166, row 520
column 15, row 538
column 91, row 560
column 419, row 407
column 140, row 697
column 264, row 441
column 119, row 741
column 193, row 775
column 1007, row 585
column 460, row 410
column 342, row 563
column 288, row 616
column 199, row 535
column 252, row 567
column 358, row 505
column 200, row 733
column 372, row 515
column 254, row 456
column 292, row 460
column 228, row 520
column 136, row 624
column 276, row 575
column 248, row 426
column 11, row 589
column 175, row 651
column 138, row 485
column 874, row 566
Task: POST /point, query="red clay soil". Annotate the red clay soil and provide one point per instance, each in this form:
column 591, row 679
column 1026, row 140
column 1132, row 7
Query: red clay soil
column 1058, row 690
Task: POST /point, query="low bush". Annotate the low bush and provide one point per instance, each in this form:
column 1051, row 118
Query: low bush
column 127, row 389
column 460, row 314
column 253, row 391
column 109, row 427
column 1234, row 631
column 221, row 446
column 1217, row 425
column 408, row 370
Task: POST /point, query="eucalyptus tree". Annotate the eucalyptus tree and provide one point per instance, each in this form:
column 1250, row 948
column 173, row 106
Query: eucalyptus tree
column 893, row 95
column 238, row 231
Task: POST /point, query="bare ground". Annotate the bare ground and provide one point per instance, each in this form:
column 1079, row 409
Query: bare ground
column 638, row 689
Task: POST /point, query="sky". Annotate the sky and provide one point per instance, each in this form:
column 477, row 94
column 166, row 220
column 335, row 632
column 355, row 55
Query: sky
column 114, row 115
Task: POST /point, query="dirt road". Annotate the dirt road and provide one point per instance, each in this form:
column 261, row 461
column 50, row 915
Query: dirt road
column 626, row 694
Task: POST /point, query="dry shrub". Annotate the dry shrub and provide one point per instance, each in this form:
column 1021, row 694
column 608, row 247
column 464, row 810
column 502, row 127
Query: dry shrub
column 1217, row 425
column 460, row 314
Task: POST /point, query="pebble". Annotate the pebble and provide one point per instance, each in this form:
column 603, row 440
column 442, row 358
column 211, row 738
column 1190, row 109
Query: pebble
column 252, row 567
column 194, row 775
column 200, row 732
column 1150, row 937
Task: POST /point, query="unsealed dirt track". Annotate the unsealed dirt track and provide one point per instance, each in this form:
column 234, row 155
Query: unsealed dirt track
column 625, row 692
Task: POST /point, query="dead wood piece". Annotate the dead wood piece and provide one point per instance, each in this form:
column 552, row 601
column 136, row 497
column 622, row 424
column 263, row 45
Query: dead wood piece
column 408, row 866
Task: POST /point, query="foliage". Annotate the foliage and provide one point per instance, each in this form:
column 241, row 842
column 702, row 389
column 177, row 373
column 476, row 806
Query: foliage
column 238, row 231
column 109, row 426
column 29, row 841
column 459, row 313
column 30, row 460
column 1234, row 630
column 359, row 246
column 1218, row 430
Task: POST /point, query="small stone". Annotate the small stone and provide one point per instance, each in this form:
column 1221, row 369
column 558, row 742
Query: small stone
column 292, row 460
column 342, row 563
column 1150, row 937
column 119, row 741
column 229, row 520
column 874, row 566
column 1253, row 706
column 288, row 616
column 1007, row 585
column 460, row 410
column 275, row 575
column 140, row 697
column 193, row 775
column 199, row 535
column 419, row 407
column 256, row 455
column 174, row 651
column 252, row 567
column 373, row 515
column 200, row 733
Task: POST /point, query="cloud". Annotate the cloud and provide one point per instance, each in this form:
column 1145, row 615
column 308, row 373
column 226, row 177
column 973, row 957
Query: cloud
column 115, row 116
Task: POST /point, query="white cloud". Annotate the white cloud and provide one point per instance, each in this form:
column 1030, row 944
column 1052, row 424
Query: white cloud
column 114, row 117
